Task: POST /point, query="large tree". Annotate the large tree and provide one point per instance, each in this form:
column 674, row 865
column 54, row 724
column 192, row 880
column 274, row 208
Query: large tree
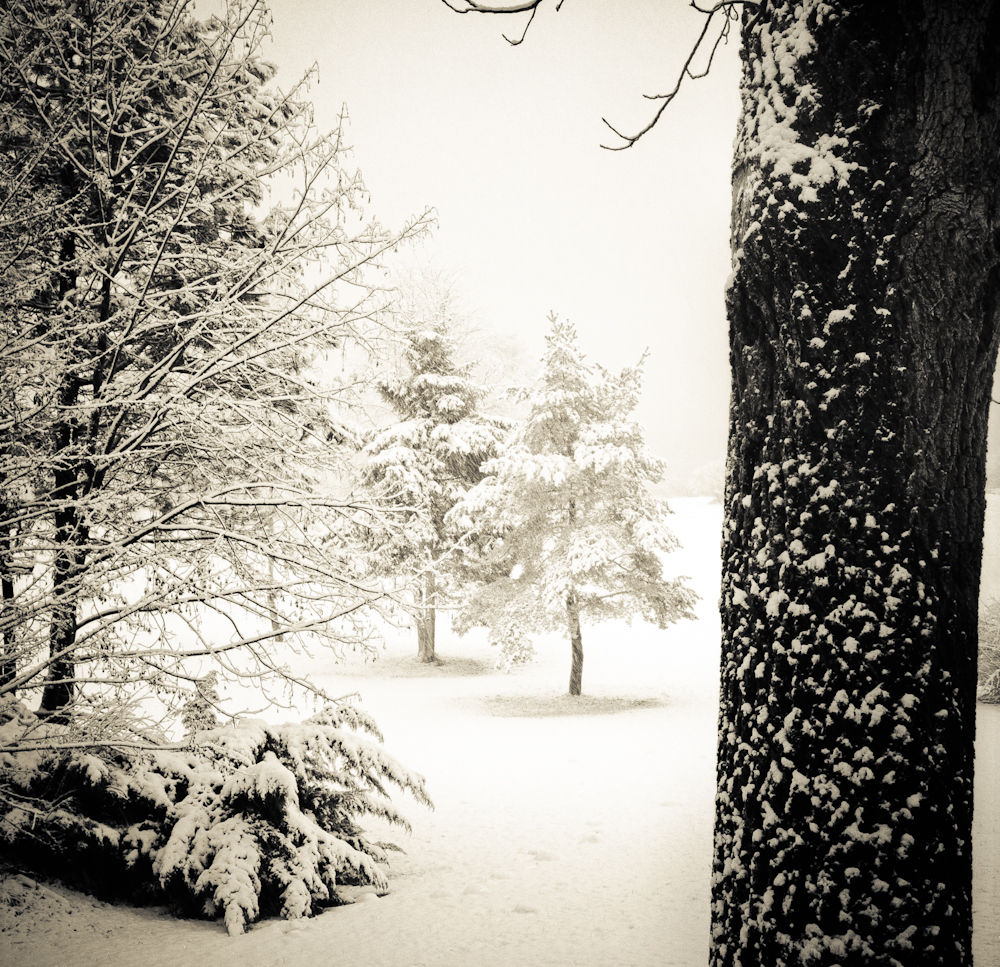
column 165, row 438
column 864, row 309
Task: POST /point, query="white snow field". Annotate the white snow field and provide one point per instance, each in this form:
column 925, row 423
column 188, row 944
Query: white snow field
column 567, row 833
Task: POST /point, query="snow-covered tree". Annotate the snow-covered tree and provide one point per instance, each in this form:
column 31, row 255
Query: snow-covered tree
column 564, row 524
column 165, row 442
column 423, row 464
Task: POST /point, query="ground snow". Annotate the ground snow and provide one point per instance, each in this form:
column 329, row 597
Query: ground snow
column 567, row 833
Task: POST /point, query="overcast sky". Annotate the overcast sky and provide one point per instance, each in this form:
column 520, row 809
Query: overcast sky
column 504, row 142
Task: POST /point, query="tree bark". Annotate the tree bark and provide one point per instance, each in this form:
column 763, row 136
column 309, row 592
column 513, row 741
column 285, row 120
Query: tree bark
column 864, row 324
column 8, row 661
column 576, row 644
column 426, row 616
column 68, row 567
column 70, row 537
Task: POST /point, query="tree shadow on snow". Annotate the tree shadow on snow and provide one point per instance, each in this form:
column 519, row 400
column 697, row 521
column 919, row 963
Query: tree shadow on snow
column 409, row 666
column 541, row 706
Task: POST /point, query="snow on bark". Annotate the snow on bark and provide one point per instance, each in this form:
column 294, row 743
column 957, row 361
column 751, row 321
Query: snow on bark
column 863, row 331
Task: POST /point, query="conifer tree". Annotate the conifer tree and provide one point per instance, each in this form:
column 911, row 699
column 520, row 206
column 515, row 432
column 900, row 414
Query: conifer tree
column 424, row 463
column 564, row 520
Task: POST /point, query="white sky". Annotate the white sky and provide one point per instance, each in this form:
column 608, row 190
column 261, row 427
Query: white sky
column 632, row 247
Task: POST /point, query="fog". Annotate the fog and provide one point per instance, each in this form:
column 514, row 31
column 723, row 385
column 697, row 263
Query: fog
column 504, row 142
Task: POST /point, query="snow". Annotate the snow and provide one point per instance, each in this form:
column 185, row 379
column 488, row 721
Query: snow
column 566, row 833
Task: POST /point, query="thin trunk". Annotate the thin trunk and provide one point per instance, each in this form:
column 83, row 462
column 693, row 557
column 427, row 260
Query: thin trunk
column 8, row 662
column 864, row 326
column 573, row 620
column 270, row 597
column 426, row 620
column 576, row 644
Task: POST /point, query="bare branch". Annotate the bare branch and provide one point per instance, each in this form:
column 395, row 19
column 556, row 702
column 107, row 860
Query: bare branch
column 471, row 6
column 686, row 72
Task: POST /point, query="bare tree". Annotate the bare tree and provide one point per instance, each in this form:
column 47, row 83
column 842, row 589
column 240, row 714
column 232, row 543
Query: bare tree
column 864, row 322
column 179, row 247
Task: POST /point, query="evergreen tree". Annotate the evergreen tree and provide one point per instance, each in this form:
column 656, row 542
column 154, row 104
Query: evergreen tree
column 423, row 464
column 565, row 516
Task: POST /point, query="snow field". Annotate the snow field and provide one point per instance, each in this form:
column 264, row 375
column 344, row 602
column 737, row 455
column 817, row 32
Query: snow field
column 566, row 833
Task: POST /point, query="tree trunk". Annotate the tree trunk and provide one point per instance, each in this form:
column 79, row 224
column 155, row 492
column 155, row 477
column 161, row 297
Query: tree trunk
column 69, row 558
column 863, row 323
column 426, row 621
column 69, row 564
column 576, row 643
column 8, row 661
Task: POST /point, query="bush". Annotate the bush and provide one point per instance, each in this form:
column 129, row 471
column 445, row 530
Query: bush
column 989, row 651
column 247, row 821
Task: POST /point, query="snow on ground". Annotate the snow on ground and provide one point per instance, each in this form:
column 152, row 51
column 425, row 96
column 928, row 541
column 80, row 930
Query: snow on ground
column 566, row 833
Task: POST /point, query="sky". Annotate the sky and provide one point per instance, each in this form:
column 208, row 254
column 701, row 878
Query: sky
column 533, row 215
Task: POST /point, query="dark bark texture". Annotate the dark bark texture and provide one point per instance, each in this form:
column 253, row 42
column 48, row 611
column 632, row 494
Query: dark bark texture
column 864, row 323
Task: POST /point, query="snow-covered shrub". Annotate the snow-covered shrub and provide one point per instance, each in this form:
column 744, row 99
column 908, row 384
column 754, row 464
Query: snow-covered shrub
column 509, row 631
column 249, row 820
column 989, row 651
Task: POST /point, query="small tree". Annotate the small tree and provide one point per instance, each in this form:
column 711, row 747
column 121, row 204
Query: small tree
column 244, row 821
column 423, row 464
column 565, row 514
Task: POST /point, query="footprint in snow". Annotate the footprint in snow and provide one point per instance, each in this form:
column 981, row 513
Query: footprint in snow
column 474, row 888
column 541, row 855
column 590, row 838
column 524, row 908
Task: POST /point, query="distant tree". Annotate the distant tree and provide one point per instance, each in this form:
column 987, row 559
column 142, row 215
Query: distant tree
column 989, row 650
column 165, row 440
column 423, row 464
column 564, row 514
column 199, row 711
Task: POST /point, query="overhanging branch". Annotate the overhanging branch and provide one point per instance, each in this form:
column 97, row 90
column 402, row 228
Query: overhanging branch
column 529, row 6
column 728, row 9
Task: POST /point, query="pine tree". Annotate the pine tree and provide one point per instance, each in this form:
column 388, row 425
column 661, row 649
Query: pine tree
column 423, row 464
column 565, row 516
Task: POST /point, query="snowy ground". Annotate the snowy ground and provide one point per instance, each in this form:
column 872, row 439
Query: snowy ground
column 566, row 834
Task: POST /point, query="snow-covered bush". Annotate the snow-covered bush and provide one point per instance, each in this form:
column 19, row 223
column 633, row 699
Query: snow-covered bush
column 989, row 651
column 247, row 821
column 509, row 628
